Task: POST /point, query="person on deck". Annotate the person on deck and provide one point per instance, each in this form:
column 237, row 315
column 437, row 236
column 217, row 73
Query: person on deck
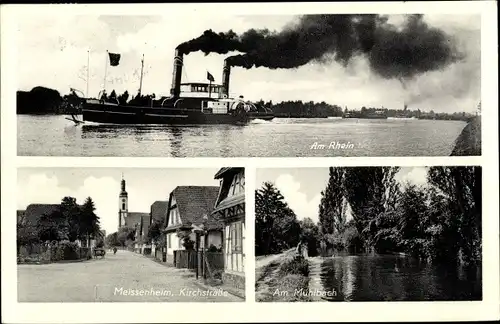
column 104, row 96
column 112, row 95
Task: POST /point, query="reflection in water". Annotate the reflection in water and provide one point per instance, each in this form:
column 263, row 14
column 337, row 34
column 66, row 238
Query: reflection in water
column 54, row 135
column 385, row 278
column 175, row 140
column 348, row 284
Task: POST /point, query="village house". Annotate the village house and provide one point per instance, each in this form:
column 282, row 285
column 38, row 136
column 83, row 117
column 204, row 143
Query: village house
column 29, row 219
column 142, row 233
column 34, row 212
column 158, row 214
column 230, row 209
column 136, row 220
column 189, row 208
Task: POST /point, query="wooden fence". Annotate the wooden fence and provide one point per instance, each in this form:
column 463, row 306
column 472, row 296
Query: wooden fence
column 207, row 264
column 185, row 259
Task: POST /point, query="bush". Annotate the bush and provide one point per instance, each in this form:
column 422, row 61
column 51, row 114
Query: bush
column 65, row 250
column 298, row 265
column 188, row 243
column 213, row 248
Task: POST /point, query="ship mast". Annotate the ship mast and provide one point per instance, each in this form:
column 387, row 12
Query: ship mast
column 88, row 72
column 142, row 70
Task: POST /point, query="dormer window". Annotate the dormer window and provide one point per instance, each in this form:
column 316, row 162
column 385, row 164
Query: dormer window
column 237, row 185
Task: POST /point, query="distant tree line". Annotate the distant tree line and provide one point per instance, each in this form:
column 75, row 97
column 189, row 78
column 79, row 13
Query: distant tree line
column 125, row 236
column 41, row 100
column 406, row 113
column 311, row 109
column 299, row 109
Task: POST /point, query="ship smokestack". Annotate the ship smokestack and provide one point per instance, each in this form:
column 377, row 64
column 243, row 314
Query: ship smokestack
column 177, row 74
column 226, row 73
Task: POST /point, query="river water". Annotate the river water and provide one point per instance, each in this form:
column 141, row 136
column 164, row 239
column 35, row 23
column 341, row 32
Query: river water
column 390, row 278
column 282, row 137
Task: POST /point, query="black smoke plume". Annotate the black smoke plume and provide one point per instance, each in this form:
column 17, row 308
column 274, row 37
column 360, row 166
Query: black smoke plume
column 401, row 52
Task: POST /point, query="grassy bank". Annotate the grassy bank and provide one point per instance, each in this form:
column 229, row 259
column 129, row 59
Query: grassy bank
column 281, row 279
column 469, row 141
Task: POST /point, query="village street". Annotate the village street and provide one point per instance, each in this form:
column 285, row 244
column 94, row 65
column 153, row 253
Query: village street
column 124, row 277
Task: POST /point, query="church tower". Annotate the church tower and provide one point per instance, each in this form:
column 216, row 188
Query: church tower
column 123, row 205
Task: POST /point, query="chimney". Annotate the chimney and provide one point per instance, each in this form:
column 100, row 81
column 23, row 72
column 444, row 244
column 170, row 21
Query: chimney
column 226, row 73
column 177, row 74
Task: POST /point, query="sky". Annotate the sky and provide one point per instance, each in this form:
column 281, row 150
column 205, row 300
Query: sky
column 144, row 187
column 301, row 187
column 62, row 42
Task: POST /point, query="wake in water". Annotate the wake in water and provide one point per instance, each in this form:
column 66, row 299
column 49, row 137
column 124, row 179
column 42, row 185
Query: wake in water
column 260, row 121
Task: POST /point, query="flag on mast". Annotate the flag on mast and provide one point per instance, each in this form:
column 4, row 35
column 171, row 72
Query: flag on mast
column 210, row 77
column 114, row 59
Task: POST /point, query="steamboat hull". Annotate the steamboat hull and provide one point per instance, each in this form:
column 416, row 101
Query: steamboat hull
column 133, row 115
column 262, row 116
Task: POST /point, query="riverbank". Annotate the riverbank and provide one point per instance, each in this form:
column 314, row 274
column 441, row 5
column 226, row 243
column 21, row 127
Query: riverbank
column 469, row 141
column 282, row 278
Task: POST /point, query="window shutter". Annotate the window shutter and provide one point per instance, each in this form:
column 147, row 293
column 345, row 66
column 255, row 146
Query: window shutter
column 233, row 237
column 228, row 238
column 242, row 238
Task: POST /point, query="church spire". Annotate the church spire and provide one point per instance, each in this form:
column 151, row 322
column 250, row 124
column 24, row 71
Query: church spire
column 123, row 185
column 123, row 203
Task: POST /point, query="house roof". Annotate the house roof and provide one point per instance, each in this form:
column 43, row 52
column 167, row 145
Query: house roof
column 193, row 202
column 134, row 218
column 224, row 171
column 34, row 211
column 230, row 202
column 159, row 210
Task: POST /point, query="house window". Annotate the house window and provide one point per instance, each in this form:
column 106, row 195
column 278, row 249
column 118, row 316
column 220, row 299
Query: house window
column 174, row 217
column 235, row 237
column 238, row 244
column 237, row 185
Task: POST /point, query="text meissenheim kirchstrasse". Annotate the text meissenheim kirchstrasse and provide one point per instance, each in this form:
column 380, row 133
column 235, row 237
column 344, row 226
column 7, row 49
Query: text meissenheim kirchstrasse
column 167, row 292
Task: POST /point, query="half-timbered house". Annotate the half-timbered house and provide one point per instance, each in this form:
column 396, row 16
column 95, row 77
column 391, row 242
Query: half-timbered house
column 188, row 209
column 230, row 209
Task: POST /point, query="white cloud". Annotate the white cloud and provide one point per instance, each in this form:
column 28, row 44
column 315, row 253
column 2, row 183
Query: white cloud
column 47, row 190
column 296, row 199
column 415, row 175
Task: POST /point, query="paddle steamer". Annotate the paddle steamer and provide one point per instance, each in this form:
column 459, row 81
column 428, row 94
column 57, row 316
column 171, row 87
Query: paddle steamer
column 188, row 103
